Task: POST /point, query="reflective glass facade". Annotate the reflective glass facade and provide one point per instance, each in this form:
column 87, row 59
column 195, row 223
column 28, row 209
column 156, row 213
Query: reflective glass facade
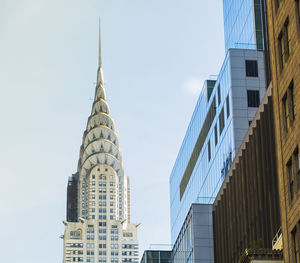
column 243, row 24
column 195, row 240
column 217, row 127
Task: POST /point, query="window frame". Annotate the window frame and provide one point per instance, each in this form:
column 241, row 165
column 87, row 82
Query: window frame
column 289, row 171
column 253, row 98
column 209, row 150
column 251, row 67
column 285, row 113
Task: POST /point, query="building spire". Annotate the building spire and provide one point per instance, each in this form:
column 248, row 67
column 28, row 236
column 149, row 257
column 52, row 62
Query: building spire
column 100, row 60
column 100, row 73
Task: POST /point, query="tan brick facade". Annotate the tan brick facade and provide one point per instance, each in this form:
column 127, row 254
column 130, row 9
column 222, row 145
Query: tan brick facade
column 284, row 37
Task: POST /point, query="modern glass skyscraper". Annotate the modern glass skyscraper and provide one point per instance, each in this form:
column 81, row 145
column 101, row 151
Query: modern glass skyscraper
column 98, row 225
column 224, row 110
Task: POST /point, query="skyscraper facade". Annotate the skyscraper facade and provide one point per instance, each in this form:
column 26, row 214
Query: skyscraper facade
column 284, row 35
column 98, row 226
column 221, row 118
column 223, row 113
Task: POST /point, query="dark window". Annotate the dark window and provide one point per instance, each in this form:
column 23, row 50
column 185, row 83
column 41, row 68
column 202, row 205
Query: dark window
column 285, row 112
column 296, row 161
column 221, row 121
column 227, row 106
column 250, row 123
column 291, row 101
column 297, row 2
column 208, row 150
column 284, row 44
column 216, row 134
column 251, row 68
column 280, row 51
column 253, row 98
column 296, row 244
column 219, row 94
column 288, row 42
column 277, row 2
column 289, row 167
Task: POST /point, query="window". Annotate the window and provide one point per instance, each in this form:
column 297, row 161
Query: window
column 221, row 121
column 288, row 107
column 285, row 112
column 296, row 160
column 208, row 150
column 219, row 94
column 277, row 2
column 291, row 95
column 288, row 42
column 296, row 244
column 227, row 106
column 291, row 179
column 297, row 2
column 284, row 44
column 251, row 68
column 253, row 98
column 216, row 134
column 280, row 51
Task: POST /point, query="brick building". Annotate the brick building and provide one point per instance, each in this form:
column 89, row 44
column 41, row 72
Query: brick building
column 284, row 47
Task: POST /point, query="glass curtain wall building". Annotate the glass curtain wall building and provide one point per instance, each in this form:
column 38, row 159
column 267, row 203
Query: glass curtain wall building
column 220, row 120
column 223, row 112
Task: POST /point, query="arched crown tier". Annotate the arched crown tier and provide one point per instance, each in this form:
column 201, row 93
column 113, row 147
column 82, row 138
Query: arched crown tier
column 100, row 106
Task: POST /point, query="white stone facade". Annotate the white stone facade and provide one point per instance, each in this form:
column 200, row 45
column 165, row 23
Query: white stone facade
column 103, row 232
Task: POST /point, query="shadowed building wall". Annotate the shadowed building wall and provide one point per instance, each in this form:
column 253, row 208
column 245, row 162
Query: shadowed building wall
column 246, row 210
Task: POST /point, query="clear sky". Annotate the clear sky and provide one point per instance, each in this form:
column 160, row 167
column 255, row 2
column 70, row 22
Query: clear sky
column 155, row 53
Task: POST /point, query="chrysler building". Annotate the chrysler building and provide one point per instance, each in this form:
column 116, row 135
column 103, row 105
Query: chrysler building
column 97, row 228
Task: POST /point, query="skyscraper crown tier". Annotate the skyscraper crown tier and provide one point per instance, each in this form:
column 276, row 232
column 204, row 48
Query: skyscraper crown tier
column 100, row 143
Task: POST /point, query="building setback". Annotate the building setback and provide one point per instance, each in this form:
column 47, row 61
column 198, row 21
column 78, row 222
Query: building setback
column 246, row 210
column 284, row 47
column 157, row 256
column 98, row 226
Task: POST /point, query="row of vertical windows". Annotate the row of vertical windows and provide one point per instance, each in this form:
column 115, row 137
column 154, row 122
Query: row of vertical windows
column 221, row 126
column 76, row 245
column 221, row 121
column 77, row 259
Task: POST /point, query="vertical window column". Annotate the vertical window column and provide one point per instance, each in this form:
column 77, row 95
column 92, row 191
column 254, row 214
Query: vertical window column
column 297, row 166
column 288, row 107
column 289, row 168
column 296, row 243
column 297, row 8
column 209, row 150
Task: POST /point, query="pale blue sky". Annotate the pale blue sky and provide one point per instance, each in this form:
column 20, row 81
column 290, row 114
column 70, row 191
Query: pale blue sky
column 155, row 56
